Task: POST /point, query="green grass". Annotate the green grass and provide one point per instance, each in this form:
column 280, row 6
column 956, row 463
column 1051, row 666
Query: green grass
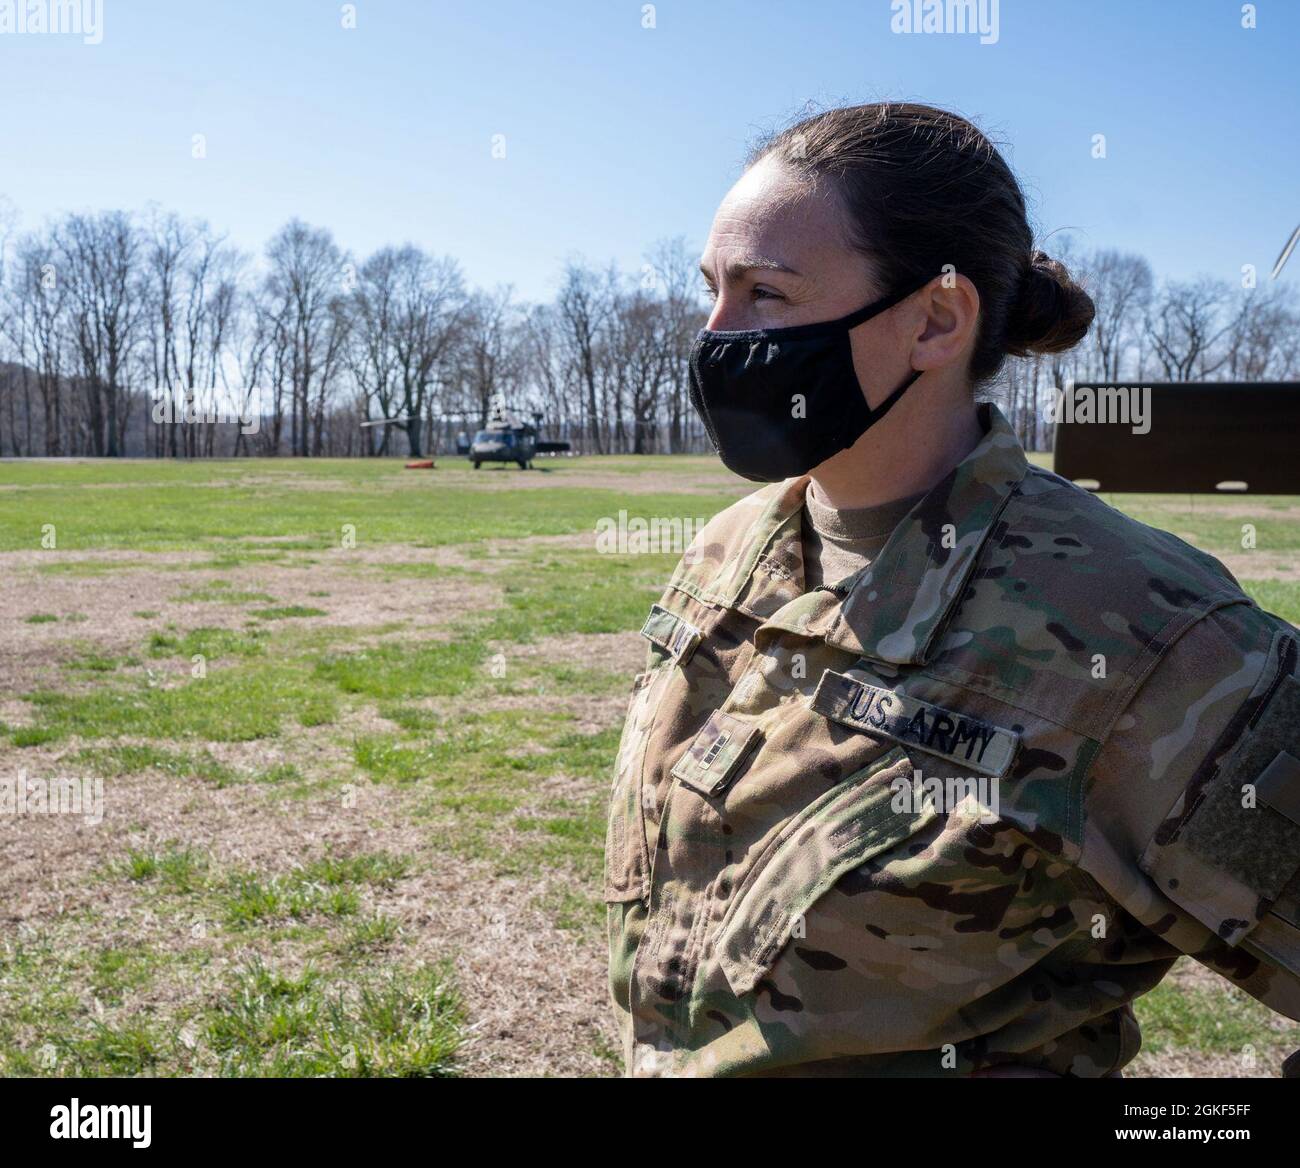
column 1220, row 1020
column 116, row 972
column 255, row 697
column 580, row 592
column 261, row 1022
column 410, row 718
column 1281, row 597
column 285, row 611
column 377, row 868
column 329, row 886
column 98, row 663
column 401, row 1024
column 225, row 706
column 404, row 670
column 174, row 869
column 132, row 758
column 221, row 592
column 33, row 735
column 158, row 506
column 370, row 934
column 211, row 643
column 252, row 900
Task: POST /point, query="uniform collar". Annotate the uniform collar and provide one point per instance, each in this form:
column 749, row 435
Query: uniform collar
column 892, row 610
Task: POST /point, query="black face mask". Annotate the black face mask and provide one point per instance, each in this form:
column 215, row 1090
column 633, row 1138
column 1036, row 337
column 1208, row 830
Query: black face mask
column 744, row 384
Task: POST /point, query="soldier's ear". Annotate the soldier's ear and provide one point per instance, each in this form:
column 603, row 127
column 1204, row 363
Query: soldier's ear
column 948, row 328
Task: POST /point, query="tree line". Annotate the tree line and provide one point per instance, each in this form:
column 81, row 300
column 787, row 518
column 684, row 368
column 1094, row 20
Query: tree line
column 106, row 316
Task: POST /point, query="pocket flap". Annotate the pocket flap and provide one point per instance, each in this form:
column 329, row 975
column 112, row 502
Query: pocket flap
column 842, row 830
column 713, row 759
column 671, row 633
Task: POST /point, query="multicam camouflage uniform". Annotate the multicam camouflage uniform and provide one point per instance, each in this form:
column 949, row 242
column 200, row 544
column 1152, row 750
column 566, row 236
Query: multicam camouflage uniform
column 779, row 905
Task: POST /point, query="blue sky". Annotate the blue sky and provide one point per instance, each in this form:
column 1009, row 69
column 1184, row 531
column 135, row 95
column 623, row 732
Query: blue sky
column 617, row 135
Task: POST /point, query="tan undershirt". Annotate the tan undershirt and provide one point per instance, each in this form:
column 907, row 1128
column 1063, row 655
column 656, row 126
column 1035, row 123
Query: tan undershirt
column 836, row 544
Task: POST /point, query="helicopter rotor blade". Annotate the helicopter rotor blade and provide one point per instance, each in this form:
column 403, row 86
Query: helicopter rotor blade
column 1286, row 252
column 387, row 422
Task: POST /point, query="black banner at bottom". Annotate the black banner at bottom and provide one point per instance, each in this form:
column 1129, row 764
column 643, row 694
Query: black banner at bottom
column 335, row 1117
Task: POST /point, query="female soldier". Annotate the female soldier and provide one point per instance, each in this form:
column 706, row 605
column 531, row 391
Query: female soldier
column 938, row 762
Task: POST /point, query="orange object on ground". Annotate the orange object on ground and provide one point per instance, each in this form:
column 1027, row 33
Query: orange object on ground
column 420, row 464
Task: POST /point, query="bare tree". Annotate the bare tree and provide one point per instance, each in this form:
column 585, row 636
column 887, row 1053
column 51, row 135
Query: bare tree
column 543, row 366
column 302, row 288
column 192, row 291
column 676, row 276
column 639, row 357
column 404, row 310
column 1186, row 327
column 1120, row 284
column 584, row 304
column 263, row 366
column 488, row 353
column 34, row 325
column 99, row 258
column 1258, row 334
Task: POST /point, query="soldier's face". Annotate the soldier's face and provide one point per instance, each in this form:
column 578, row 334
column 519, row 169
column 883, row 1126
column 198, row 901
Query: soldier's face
column 779, row 254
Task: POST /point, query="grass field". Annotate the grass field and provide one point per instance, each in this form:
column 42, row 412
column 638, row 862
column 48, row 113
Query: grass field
column 354, row 726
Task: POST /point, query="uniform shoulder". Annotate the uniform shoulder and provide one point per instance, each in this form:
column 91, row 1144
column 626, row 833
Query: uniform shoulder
column 1073, row 603
column 1110, row 551
column 1214, row 822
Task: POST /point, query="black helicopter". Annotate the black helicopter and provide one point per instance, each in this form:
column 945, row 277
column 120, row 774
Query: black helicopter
column 506, row 439
column 503, row 439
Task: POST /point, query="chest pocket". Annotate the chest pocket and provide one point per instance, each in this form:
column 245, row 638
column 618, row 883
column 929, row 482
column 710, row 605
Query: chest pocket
column 843, row 829
column 1229, row 848
column 672, row 640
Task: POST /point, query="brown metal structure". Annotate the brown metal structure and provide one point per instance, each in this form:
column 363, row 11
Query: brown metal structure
column 1240, row 437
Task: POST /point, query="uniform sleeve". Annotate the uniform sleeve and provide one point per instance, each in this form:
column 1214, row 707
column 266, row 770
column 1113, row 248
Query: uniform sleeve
column 1192, row 804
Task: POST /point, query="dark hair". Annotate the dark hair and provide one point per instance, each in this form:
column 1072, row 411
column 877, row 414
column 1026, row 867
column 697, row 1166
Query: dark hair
column 923, row 188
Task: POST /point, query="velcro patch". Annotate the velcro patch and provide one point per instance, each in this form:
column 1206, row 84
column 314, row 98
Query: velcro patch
column 969, row 742
column 673, row 635
column 1278, row 785
column 713, row 759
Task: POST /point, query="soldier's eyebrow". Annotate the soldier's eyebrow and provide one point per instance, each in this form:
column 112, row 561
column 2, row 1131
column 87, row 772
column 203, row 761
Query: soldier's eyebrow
column 740, row 266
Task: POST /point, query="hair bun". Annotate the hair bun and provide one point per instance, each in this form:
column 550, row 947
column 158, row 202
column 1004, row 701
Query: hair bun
column 1051, row 313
